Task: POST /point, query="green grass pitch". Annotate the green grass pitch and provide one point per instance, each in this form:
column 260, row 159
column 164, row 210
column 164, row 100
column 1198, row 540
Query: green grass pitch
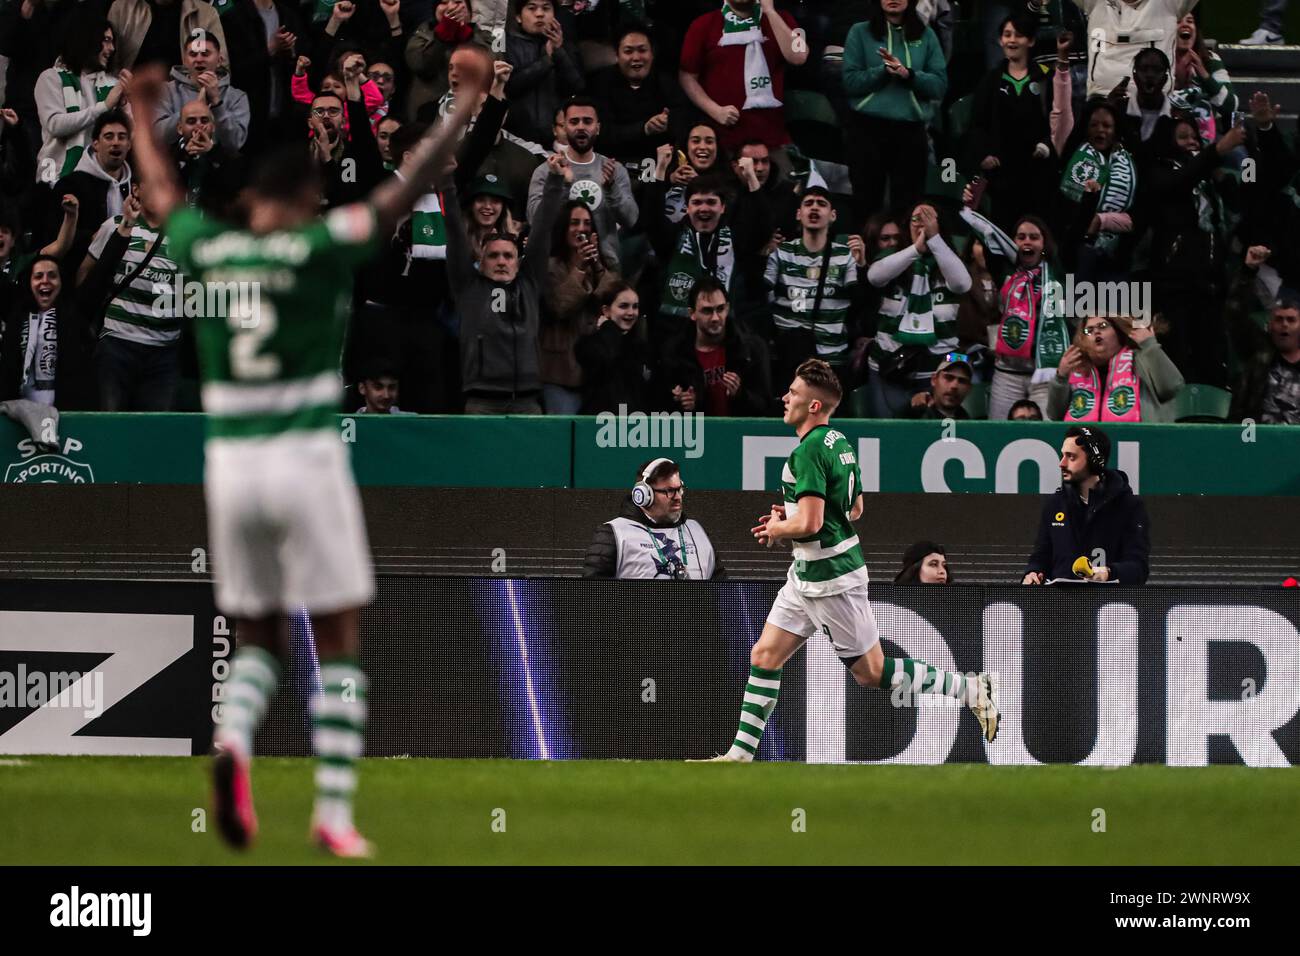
column 110, row 810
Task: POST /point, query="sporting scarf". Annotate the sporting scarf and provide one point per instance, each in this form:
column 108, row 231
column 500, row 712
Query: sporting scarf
column 688, row 265
column 1117, row 175
column 1032, row 319
column 916, row 322
column 72, row 103
column 40, row 354
column 428, row 228
column 1122, row 401
column 1192, row 100
column 322, row 11
column 1028, row 297
column 748, row 32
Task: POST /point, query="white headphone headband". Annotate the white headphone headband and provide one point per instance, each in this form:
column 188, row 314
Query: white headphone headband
column 645, row 475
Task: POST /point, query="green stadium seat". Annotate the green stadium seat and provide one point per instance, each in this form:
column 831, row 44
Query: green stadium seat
column 813, row 124
column 977, row 402
column 860, row 402
column 1202, row 403
column 807, row 106
column 936, row 188
column 958, row 120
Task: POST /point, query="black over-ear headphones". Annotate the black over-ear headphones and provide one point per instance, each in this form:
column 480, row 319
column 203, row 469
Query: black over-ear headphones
column 1096, row 461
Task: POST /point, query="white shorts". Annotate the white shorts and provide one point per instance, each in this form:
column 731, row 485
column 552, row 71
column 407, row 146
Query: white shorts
column 285, row 526
column 846, row 618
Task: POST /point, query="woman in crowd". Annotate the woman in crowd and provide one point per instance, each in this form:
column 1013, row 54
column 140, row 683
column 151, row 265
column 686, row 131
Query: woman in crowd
column 699, row 155
column 1032, row 333
column 488, row 212
column 46, row 342
column 1098, row 192
column 916, row 324
column 1188, row 246
column 924, row 563
column 1114, row 372
column 429, row 50
column 1202, row 86
column 895, row 77
column 1014, row 115
column 616, row 361
column 578, row 279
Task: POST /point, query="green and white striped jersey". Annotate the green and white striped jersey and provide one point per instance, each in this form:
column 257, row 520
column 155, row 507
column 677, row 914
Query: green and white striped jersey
column 824, row 465
column 144, row 310
column 792, row 273
column 270, row 331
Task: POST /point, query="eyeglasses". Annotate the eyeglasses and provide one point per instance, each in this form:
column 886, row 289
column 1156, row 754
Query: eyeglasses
column 1099, row 327
column 675, row 491
column 333, row 112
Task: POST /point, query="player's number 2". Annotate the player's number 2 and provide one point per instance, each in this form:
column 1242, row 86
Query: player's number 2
column 250, row 328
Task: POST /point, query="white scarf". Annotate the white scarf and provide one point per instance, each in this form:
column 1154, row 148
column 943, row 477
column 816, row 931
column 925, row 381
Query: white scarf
column 40, row 357
column 758, row 78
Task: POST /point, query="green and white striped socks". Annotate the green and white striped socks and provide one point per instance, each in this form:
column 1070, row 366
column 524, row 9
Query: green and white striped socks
column 918, row 677
column 254, row 674
column 338, row 719
column 760, row 700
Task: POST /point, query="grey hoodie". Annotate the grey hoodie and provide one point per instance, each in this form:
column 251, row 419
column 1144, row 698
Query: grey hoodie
column 230, row 116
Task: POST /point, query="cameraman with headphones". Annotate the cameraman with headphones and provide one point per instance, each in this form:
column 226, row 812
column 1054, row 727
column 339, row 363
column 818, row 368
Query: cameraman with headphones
column 652, row 537
column 1094, row 527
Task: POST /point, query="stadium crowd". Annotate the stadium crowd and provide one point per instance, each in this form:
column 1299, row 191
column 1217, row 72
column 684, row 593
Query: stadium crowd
column 670, row 204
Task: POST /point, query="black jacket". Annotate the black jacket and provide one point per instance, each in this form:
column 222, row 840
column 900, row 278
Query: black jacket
column 539, row 84
column 74, row 379
column 1114, row 520
column 601, row 560
column 625, row 111
column 746, row 356
column 616, row 370
column 252, row 66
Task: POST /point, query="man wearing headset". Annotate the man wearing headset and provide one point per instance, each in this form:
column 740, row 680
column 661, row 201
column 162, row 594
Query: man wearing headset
column 652, row 537
column 1094, row 528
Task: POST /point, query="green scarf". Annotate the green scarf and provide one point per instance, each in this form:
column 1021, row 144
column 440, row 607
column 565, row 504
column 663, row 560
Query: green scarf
column 322, row 11
column 688, row 266
column 428, row 228
column 1117, row 175
column 72, row 104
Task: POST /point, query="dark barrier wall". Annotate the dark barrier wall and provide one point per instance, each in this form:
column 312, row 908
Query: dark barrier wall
column 548, row 668
column 160, row 532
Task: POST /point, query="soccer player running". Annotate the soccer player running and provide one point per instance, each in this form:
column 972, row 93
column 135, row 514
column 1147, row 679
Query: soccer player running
column 826, row 586
column 284, row 516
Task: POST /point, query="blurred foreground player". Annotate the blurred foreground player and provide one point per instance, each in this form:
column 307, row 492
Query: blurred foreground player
column 827, row 583
column 283, row 511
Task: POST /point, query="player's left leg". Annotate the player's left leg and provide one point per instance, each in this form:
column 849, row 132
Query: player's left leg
column 338, row 716
column 858, row 645
column 254, row 675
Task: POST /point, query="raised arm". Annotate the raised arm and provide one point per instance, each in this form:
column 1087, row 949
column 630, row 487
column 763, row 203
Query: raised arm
column 159, row 179
column 394, row 197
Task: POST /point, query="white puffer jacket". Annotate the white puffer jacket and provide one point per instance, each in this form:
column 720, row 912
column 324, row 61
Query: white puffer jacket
column 1117, row 29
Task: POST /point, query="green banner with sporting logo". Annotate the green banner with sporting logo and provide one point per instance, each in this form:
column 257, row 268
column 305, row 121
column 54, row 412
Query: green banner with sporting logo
column 605, row 452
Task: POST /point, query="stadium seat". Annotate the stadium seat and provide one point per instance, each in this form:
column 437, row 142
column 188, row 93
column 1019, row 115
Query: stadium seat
column 977, row 402
column 936, row 188
column 860, row 402
column 812, row 123
column 1202, row 403
column 957, row 122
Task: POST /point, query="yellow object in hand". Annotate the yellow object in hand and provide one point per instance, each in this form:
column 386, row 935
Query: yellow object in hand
column 681, row 158
column 1081, row 567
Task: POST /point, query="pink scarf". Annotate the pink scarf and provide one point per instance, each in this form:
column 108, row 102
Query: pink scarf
column 1122, row 401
